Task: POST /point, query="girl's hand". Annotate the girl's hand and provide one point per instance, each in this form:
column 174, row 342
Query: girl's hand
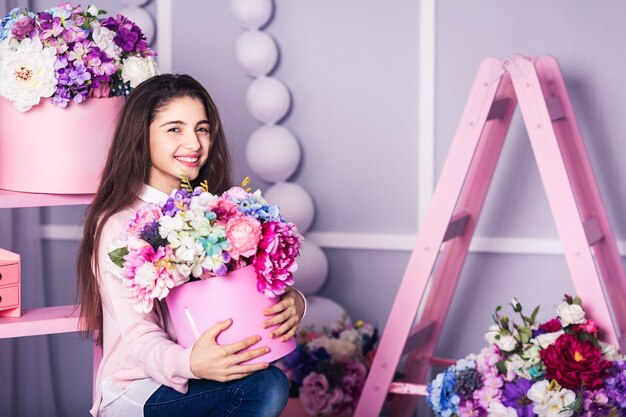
column 220, row 362
column 288, row 313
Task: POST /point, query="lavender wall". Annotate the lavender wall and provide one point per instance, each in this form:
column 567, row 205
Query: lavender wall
column 352, row 67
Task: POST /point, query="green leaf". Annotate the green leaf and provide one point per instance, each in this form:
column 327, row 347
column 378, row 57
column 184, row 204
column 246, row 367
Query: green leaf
column 502, row 367
column 525, row 334
column 117, row 256
column 533, row 316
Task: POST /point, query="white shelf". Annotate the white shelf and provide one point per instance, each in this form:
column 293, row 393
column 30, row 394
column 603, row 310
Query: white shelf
column 39, row 321
column 13, row 199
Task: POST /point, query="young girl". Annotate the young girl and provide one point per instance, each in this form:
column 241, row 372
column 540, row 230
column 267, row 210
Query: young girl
column 169, row 124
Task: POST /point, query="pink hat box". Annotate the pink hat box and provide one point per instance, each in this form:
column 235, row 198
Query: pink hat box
column 53, row 150
column 234, row 296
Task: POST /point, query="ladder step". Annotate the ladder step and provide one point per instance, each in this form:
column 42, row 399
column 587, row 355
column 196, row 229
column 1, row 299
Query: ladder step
column 404, row 388
column 498, row 108
column 555, row 108
column 418, row 336
column 457, row 226
column 593, row 230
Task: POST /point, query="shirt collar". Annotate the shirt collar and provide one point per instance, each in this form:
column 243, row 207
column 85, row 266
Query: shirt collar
column 151, row 195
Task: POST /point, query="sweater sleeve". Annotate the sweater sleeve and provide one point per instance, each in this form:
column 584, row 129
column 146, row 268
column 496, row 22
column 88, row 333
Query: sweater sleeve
column 149, row 346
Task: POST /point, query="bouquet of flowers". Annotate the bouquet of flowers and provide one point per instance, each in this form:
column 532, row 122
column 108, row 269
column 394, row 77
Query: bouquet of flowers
column 557, row 368
column 327, row 370
column 69, row 53
column 198, row 235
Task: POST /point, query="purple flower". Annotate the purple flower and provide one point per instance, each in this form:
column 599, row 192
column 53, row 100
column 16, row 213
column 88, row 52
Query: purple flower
column 515, row 396
column 79, row 52
column 597, row 404
column 51, row 27
column 61, row 97
column 352, row 385
column 615, row 384
column 317, row 397
column 176, row 201
column 79, row 75
column 74, row 33
column 23, row 27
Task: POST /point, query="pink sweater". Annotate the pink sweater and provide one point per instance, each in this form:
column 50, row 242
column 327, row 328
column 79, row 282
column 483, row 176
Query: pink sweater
column 136, row 346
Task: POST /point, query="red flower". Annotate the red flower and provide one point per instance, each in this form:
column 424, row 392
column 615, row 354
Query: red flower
column 575, row 363
column 551, row 326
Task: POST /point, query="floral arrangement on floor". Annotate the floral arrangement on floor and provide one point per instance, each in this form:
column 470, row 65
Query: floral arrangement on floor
column 198, row 235
column 70, row 53
column 557, row 368
column 327, row 371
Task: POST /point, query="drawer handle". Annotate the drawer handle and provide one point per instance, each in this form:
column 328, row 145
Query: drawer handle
column 0, row 275
column 0, row 298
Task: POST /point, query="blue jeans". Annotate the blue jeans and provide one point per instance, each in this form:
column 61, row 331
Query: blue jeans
column 262, row 394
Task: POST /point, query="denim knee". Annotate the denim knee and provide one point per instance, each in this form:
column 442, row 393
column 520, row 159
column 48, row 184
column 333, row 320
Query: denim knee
column 272, row 385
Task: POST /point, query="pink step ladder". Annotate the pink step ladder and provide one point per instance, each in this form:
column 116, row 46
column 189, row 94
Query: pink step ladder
column 586, row 235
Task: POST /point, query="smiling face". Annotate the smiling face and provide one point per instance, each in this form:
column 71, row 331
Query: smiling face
column 179, row 142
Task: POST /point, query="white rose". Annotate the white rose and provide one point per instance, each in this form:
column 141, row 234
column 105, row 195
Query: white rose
column 546, row 339
column 27, row 73
column 492, row 332
column 497, row 409
column 570, row 314
column 92, row 10
column 136, row 70
column 339, row 350
column 506, row 342
column 103, row 38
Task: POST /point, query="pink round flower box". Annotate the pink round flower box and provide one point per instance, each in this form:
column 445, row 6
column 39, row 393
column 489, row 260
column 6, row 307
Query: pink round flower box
column 233, row 296
column 53, row 150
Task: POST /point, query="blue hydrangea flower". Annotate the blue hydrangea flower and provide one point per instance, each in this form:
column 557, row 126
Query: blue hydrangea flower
column 441, row 395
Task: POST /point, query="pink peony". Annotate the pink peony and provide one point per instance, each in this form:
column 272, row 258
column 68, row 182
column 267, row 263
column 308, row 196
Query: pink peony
column 147, row 275
column 352, row 383
column 316, row 397
column 275, row 260
column 146, row 214
column 243, row 233
column 224, row 210
column 103, row 91
column 23, row 27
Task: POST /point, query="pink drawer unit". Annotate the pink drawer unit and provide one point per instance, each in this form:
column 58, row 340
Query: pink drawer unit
column 10, row 301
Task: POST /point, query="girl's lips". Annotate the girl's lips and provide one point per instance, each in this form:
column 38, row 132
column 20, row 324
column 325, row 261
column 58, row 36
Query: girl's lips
column 188, row 160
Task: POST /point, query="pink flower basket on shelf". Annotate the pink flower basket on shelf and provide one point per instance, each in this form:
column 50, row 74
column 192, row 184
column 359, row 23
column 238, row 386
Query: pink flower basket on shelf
column 205, row 302
column 53, row 150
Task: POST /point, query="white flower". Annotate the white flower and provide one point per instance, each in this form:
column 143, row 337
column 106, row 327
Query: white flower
column 27, row 73
column 550, row 400
column 350, row 335
column 497, row 409
column 538, row 393
column 339, row 350
column 570, row 314
column 103, row 38
column 93, row 10
column 506, row 342
column 609, row 351
column 202, row 201
column 7, row 46
column 136, row 70
column 546, row 339
column 170, row 226
column 560, row 402
column 317, row 343
column 514, row 303
column 492, row 332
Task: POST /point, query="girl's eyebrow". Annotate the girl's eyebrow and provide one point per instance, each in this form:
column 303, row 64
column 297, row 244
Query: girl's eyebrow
column 180, row 122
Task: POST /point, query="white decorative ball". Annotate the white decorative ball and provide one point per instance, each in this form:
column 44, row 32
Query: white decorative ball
column 321, row 312
column 143, row 19
column 256, row 52
column 273, row 153
column 268, row 100
column 133, row 2
column 296, row 205
column 312, row 268
column 251, row 14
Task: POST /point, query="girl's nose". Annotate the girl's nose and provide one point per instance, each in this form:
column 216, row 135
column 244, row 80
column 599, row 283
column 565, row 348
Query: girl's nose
column 192, row 142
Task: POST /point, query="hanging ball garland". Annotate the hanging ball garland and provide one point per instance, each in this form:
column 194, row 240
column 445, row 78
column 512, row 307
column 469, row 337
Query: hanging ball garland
column 251, row 14
column 268, row 100
column 273, row 153
column 256, row 52
column 321, row 311
column 312, row 268
column 295, row 203
column 141, row 18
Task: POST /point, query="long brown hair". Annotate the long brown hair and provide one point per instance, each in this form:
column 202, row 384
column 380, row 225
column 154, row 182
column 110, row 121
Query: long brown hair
column 127, row 169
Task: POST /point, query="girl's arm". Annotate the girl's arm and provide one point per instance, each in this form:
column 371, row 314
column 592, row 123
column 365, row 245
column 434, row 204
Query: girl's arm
column 147, row 343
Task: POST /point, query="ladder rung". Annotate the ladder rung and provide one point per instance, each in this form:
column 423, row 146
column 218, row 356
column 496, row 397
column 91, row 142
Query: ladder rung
column 555, row 108
column 435, row 360
column 404, row 388
column 593, row 231
column 498, row 108
column 418, row 335
column 457, row 226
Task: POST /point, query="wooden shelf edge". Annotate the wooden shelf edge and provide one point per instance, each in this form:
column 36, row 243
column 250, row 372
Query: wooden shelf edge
column 14, row 199
column 40, row 321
